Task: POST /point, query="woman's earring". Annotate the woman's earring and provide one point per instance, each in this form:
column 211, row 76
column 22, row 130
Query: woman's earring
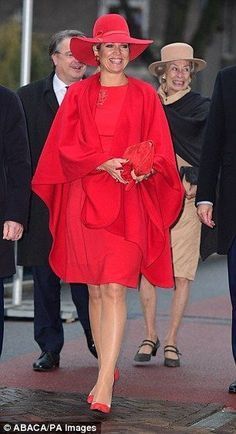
column 164, row 77
column 97, row 60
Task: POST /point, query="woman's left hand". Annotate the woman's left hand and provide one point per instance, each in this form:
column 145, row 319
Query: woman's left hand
column 140, row 178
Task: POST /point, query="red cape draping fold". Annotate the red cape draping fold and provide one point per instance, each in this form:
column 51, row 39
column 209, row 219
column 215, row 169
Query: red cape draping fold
column 68, row 163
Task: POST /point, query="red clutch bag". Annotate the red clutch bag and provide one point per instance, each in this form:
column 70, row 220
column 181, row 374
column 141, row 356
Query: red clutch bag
column 140, row 156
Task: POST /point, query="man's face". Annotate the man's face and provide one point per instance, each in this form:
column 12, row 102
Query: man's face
column 67, row 68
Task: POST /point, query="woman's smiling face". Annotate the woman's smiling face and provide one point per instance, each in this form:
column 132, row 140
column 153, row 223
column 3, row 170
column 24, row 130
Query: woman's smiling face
column 113, row 57
column 177, row 76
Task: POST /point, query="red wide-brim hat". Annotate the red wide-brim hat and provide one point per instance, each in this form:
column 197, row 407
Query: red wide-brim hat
column 107, row 28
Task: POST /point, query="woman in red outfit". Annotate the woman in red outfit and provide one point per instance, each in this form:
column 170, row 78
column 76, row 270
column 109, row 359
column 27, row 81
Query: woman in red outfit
column 108, row 227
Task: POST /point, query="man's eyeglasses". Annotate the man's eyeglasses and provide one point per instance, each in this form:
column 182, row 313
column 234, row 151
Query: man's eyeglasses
column 66, row 54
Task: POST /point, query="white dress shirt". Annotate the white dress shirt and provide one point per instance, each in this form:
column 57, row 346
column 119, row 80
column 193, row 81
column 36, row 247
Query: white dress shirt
column 204, row 202
column 59, row 88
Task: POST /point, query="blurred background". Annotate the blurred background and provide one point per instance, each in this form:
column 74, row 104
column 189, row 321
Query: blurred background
column 208, row 25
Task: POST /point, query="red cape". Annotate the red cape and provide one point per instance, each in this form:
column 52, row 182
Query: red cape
column 66, row 174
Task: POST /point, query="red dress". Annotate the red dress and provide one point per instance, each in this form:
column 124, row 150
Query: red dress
column 101, row 232
column 109, row 257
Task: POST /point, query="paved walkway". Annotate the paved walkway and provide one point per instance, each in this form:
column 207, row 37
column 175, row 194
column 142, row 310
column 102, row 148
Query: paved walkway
column 128, row 415
column 147, row 399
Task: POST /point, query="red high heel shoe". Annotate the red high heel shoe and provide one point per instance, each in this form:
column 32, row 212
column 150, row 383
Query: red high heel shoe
column 116, row 374
column 116, row 378
column 90, row 398
column 104, row 408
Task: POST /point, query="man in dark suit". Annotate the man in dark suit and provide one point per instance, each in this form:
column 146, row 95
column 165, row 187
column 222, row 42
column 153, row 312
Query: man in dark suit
column 41, row 100
column 218, row 162
column 15, row 176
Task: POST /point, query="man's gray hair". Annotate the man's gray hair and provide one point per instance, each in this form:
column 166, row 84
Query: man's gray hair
column 58, row 37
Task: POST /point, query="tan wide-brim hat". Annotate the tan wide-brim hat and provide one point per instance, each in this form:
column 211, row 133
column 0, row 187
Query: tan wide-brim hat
column 172, row 52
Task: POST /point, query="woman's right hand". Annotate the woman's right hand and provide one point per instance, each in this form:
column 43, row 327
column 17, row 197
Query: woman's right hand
column 114, row 167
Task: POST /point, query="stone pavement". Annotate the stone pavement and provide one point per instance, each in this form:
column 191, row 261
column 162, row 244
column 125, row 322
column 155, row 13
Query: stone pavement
column 127, row 416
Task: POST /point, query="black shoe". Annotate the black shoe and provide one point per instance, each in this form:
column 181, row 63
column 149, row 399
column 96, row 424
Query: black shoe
column 172, row 363
column 90, row 342
column 46, row 361
column 143, row 357
column 232, row 387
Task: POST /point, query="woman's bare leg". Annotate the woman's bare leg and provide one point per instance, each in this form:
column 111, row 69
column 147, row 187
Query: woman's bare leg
column 95, row 309
column 112, row 322
column 179, row 303
column 148, row 298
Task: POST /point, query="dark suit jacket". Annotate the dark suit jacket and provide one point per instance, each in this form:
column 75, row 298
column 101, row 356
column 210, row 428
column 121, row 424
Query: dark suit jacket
column 14, row 172
column 40, row 106
column 219, row 157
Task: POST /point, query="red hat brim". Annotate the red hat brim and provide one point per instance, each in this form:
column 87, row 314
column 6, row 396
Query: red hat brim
column 82, row 48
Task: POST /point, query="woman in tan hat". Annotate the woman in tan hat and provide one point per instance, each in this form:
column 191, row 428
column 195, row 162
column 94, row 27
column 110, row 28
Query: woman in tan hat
column 105, row 218
column 187, row 114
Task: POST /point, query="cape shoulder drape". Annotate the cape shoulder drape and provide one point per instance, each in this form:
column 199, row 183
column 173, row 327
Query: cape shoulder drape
column 66, row 174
